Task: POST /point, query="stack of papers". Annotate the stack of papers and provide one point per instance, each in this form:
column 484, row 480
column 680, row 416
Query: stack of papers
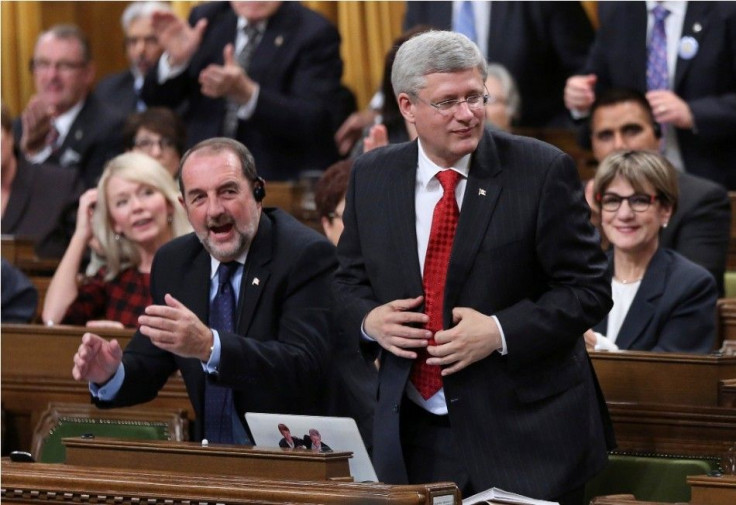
column 495, row 495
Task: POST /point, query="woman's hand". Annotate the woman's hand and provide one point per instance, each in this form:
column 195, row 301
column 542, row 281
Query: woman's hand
column 85, row 211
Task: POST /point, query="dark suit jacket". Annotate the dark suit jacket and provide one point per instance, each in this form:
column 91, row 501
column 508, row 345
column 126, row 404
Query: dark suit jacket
column 707, row 82
column 118, row 91
column 298, row 66
column 19, row 295
column 700, row 229
column 674, row 309
column 93, row 139
column 540, row 43
column 277, row 358
column 529, row 421
column 43, row 206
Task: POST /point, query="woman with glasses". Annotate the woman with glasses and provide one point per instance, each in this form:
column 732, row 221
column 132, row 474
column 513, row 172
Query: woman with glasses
column 662, row 301
column 133, row 211
column 159, row 133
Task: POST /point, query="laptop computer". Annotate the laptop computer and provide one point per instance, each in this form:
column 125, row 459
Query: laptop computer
column 338, row 434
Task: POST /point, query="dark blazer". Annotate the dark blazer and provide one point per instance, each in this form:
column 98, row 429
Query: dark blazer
column 297, row 64
column 674, row 309
column 94, row 138
column 700, row 229
column 19, row 295
column 530, row 421
column 118, row 92
column 707, row 82
column 278, row 356
column 43, row 206
column 540, row 43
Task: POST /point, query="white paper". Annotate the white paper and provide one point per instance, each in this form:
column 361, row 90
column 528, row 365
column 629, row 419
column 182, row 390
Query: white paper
column 499, row 495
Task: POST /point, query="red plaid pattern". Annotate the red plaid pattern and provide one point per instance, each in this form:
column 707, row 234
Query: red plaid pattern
column 122, row 299
column 426, row 378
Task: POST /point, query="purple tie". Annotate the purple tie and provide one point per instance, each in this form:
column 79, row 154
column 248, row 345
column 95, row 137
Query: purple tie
column 657, row 74
column 218, row 400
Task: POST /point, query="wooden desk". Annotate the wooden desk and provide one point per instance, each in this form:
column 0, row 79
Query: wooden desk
column 707, row 490
column 662, row 378
column 193, row 457
column 35, row 369
column 20, row 251
column 41, row 484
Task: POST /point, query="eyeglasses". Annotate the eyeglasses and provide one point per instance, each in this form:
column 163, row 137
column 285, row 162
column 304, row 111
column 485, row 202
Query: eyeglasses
column 147, row 144
column 474, row 102
column 148, row 40
column 335, row 215
column 495, row 99
column 41, row 65
column 638, row 202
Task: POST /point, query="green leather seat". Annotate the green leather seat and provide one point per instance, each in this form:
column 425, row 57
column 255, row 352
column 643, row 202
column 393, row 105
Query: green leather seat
column 53, row 450
column 660, row 478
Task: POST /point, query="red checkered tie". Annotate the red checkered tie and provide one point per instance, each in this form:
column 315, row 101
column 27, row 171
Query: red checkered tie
column 427, row 378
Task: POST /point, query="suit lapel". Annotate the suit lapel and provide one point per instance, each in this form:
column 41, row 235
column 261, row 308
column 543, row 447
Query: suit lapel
column 401, row 211
column 644, row 304
column 636, row 42
column 695, row 25
column 481, row 196
column 20, row 196
column 255, row 274
column 278, row 34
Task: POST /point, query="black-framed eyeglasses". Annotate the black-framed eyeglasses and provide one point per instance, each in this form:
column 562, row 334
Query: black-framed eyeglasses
column 474, row 102
column 147, row 144
column 42, row 65
column 638, row 202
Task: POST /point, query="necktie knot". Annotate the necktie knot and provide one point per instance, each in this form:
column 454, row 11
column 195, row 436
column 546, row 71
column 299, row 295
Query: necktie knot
column 660, row 13
column 251, row 32
column 225, row 271
column 448, row 180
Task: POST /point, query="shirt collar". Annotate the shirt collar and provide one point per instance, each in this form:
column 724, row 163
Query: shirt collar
column 63, row 122
column 215, row 263
column 427, row 169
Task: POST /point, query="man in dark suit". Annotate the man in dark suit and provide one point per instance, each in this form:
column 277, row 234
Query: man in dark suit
column 540, row 43
column 517, row 406
column 122, row 90
column 38, row 201
column 700, row 229
column 698, row 109
column 63, row 123
column 283, row 107
column 276, row 357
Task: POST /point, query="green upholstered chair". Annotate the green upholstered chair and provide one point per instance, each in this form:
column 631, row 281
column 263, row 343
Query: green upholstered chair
column 650, row 477
column 61, row 420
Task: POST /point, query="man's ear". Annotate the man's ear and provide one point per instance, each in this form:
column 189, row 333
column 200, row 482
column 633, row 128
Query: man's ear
column 406, row 107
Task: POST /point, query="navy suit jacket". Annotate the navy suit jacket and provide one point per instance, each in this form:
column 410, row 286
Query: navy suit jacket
column 700, row 229
column 297, row 64
column 93, row 139
column 277, row 358
column 674, row 309
column 43, row 206
column 118, row 91
column 707, row 81
column 540, row 43
column 525, row 251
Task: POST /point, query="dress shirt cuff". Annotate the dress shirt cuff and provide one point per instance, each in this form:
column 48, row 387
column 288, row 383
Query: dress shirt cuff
column 166, row 71
column 246, row 110
column 363, row 334
column 214, row 362
column 579, row 113
column 109, row 390
column 503, row 351
column 40, row 156
column 603, row 343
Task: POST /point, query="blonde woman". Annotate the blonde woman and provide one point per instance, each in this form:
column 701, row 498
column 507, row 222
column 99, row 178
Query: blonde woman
column 133, row 211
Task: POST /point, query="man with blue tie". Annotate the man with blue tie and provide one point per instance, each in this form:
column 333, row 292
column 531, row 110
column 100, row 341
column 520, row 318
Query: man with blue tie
column 241, row 306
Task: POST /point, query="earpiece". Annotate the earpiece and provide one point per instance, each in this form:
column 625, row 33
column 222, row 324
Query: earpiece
column 259, row 189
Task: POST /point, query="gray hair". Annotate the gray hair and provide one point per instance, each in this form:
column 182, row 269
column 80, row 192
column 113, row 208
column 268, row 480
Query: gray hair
column 217, row 145
column 513, row 98
column 70, row 32
column 432, row 52
column 137, row 10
